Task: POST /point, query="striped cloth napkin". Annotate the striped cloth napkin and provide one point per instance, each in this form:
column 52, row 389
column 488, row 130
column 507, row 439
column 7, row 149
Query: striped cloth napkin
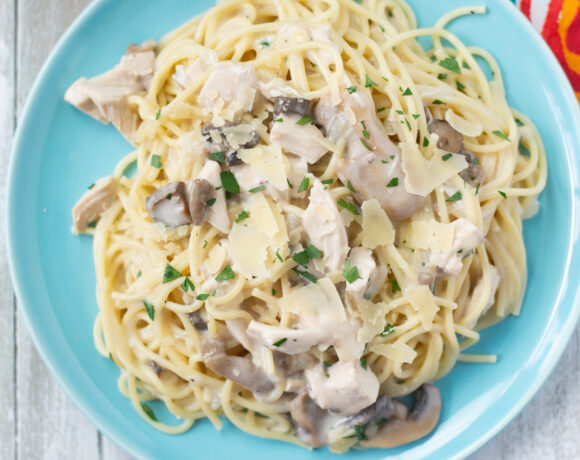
column 558, row 21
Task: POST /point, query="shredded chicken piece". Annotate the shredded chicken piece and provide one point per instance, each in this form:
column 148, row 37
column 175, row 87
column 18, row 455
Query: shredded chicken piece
column 93, row 203
column 304, row 140
column 325, row 228
column 106, row 96
column 372, row 163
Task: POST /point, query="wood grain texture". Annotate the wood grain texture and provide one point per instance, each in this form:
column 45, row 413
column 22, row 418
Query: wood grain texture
column 44, row 424
column 48, row 425
column 7, row 343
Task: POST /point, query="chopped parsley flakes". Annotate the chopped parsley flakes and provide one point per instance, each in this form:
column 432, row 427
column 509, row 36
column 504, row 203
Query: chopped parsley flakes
column 226, row 274
column 348, row 206
column 218, row 156
column 350, row 273
column 306, row 274
column 389, row 329
column 150, row 309
column 498, row 133
column 156, row 161
column 280, row 342
column 450, row 63
column 229, row 182
column 170, row 274
column 305, row 120
column 241, row 216
column 351, row 89
column 257, row 189
column 368, row 82
column 455, row 197
column 187, row 284
column 304, row 184
column 393, row 182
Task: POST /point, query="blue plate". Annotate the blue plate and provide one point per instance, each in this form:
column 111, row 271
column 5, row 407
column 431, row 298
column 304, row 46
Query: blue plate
column 58, row 152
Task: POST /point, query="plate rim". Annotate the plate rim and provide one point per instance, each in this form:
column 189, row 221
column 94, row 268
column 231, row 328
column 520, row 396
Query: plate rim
column 553, row 352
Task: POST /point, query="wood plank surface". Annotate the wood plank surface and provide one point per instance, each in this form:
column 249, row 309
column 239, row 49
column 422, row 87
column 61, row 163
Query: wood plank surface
column 7, row 343
column 48, row 425
column 41, row 422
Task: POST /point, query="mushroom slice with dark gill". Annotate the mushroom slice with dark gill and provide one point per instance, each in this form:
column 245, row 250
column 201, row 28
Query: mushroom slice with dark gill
column 197, row 320
column 451, row 141
column 307, row 416
column 199, row 194
column 168, row 205
column 93, row 203
column 235, row 368
column 419, row 423
column 294, row 105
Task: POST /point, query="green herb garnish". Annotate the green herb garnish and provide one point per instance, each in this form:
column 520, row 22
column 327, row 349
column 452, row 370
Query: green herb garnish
column 365, row 133
column 450, row 63
column 306, row 274
column 241, row 216
column 363, row 362
column 218, row 156
column 446, row 156
column 226, row 274
column 280, row 342
column 350, row 273
column 257, row 189
column 393, row 182
column 147, row 409
column 156, row 161
column 348, row 206
column 210, row 202
column 459, row 85
column 498, row 133
column 389, row 329
column 305, row 120
column 150, row 308
column 351, row 89
column 187, row 284
column 369, row 82
column 202, row 297
column 408, row 92
column 170, row 274
column 455, row 197
column 304, row 185
column 229, row 182
column 395, row 286
column 502, row 194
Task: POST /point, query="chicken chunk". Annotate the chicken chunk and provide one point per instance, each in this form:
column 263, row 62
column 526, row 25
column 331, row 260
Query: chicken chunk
column 93, row 203
column 347, row 389
column 363, row 260
column 106, row 96
column 372, row 163
column 304, row 140
column 234, row 83
column 325, row 228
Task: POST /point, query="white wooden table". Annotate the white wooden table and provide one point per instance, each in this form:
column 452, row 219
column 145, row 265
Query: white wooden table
column 39, row 422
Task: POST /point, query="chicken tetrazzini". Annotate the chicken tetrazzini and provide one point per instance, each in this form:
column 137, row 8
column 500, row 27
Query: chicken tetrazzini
column 321, row 215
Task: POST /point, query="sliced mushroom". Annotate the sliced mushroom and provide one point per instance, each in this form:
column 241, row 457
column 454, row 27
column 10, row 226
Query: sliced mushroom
column 235, row 368
column 156, row 368
column 93, row 203
column 450, row 139
column 199, row 195
column 474, row 172
column 294, row 105
column 168, row 205
column 420, row 422
column 308, row 416
column 233, row 159
column 197, row 321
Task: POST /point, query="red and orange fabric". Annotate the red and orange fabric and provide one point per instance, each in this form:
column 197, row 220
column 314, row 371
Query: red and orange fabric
column 559, row 23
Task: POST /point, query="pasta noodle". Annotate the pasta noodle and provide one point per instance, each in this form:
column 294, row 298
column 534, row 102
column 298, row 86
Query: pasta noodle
column 419, row 273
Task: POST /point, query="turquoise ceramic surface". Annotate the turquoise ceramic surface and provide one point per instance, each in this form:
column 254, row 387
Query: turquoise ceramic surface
column 59, row 151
